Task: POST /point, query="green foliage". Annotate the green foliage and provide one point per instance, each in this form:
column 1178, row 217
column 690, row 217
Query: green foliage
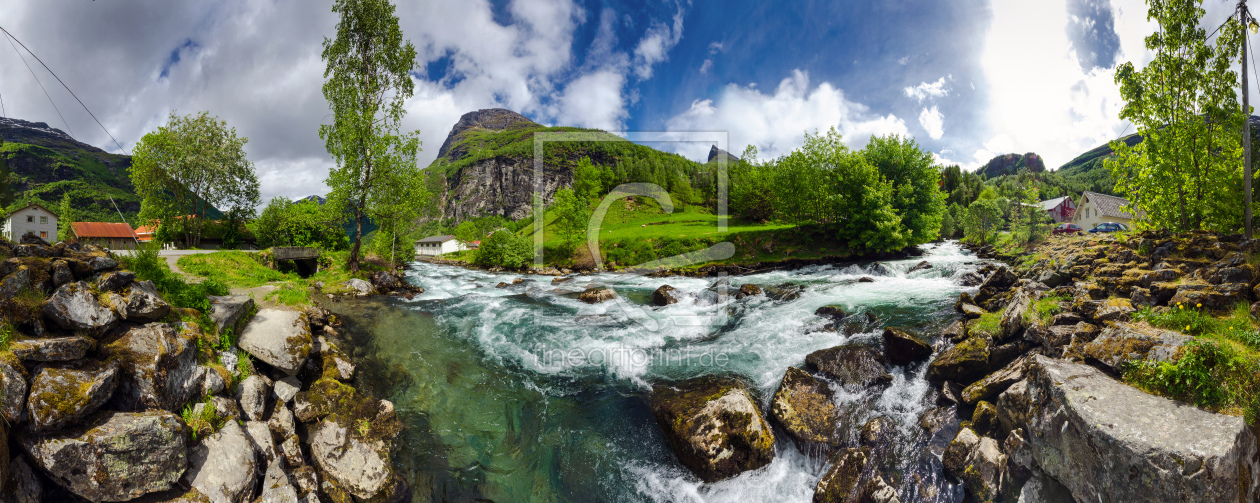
column 1193, row 320
column 394, row 241
column 237, row 269
column 588, row 182
column 572, row 216
column 91, row 178
column 1029, row 222
column 1186, row 173
column 982, row 220
column 6, row 191
column 147, row 265
column 367, row 81
column 915, row 179
column 66, row 215
column 6, row 335
column 504, row 249
column 1047, row 307
column 189, row 166
column 304, row 223
column 1208, row 374
column 202, row 423
column 989, row 323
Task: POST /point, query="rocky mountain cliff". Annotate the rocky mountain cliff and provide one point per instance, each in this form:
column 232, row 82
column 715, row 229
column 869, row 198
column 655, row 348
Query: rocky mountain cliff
column 1010, row 164
column 47, row 163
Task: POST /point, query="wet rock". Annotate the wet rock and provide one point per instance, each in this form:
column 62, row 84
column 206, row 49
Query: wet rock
column 75, row 307
column 229, row 311
column 335, row 363
column 61, row 273
column 383, row 281
column 115, row 281
column 956, row 331
column 901, row 348
column 360, row 465
column 282, row 339
column 359, row 287
column 866, row 279
column 60, row 396
column 996, row 382
column 851, row 365
column 985, row 420
column 1013, row 407
column 746, row 290
column 877, row 432
column 877, row 490
column 842, row 478
column 159, row 367
column 923, row 265
column 225, row 466
column 665, row 295
column 965, row 362
column 23, row 486
column 55, row 349
column 1107, row 441
column 1121, row 343
column 714, row 427
column 834, row 312
column 12, row 388
column 970, row 278
column 252, row 394
column 971, row 311
column 595, row 295
column 803, row 407
column 142, row 303
column 116, row 456
column 785, row 292
column 951, row 394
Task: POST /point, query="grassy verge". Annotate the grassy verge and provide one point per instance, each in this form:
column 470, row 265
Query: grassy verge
column 236, row 269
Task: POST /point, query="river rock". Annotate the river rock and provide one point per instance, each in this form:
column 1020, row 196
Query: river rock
column 597, row 294
column 1001, row 279
column 665, row 295
column 956, row 332
column 714, row 427
column 985, row 471
column 1121, row 343
column 115, row 281
column 964, row 363
column 803, row 407
column 919, row 267
column 360, row 465
column 970, row 278
column 159, row 367
column 1015, row 316
column 985, row 420
column 996, row 382
column 842, row 478
column 834, row 312
column 142, row 303
column 785, row 292
column 971, row 311
column 74, row 307
column 60, row 396
column 1107, row 441
column 851, row 365
column 23, row 486
column 360, row 287
column 383, row 281
column 1013, row 407
column 12, row 388
column 901, row 348
column 116, row 456
column 225, row 466
column 954, row 459
column 746, row 290
column 55, row 349
column 252, row 393
column 280, row 338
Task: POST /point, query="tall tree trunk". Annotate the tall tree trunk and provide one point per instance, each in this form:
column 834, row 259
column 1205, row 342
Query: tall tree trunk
column 353, row 264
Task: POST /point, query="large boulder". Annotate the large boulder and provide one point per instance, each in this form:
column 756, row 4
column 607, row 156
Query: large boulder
column 75, row 307
column 1001, row 279
column 228, row 311
column 53, row 349
column 1121, row 343
column 61, row 273
column 280, row 338
column 13, row 388
column 1016, row 316
column 665, row 295
column 116, row 456
column 225, row 466
column 60, row 396
column 359, row 464
column 597, row 294
column 360, row 287
column 965, row 362
column 276, row 487
column 15, row 282
column 851, row 365
column 803, row 407
column 142, row 303
column 115, row 281
column 996, row 382
column 159, row 367
column 841, row 480
column 714, row 427
column 1107, row 441
column 901, row 348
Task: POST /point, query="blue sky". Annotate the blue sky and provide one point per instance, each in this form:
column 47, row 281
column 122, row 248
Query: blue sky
column 968, row 79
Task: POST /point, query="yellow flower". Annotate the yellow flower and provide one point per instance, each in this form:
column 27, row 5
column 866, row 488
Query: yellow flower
column 1179, row 306
column 1187, row 328
column 1199, row 305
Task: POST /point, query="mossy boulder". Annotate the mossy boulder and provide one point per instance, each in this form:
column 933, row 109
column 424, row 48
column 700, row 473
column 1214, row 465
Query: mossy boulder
column 115, row 281
column 984, row 420
column 803, row 407
column 224, row 467
column 13, row 386
column 359, row 464
column 62, row 395
column 142, row 303
column 52, row 349
column 902, row 348
column 1121, row 343
column 963, row 363
column 15, row 282
column 115, row 456
column 1114, row 309
column 841, row 480
column 230, row 312
column 1016, row 316
column 714, row 426
column 61, row 273
column 850, row 365
column 282, row 339
column 996, row 382
column 74, row 306
column 159, row 366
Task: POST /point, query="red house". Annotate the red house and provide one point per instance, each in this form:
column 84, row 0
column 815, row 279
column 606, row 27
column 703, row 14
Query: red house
column 1060, row 209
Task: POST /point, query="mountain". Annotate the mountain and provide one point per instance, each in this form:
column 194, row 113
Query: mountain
column 1010, row 164
column 46, row 163
column 320, row 200
column 717, row 153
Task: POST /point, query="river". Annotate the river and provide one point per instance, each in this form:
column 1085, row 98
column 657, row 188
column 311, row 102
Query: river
column 527, row 394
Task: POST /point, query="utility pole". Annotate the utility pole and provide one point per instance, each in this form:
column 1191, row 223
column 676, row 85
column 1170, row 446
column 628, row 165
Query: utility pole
column 1242, row 18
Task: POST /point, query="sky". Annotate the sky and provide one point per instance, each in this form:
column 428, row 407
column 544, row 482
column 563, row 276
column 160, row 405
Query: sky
column 968, row 79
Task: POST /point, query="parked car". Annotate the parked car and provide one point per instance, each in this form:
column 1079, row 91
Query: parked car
column 1066, row 228
column 1109, row 227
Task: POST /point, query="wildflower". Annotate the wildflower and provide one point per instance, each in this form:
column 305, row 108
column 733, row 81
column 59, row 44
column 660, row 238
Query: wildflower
column 1199, row 305
column 1179, row 306
column 1187, row 328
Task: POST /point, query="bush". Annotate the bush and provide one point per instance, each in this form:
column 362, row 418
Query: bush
column 1210, row 375
column 147, row 265
column 504, row 249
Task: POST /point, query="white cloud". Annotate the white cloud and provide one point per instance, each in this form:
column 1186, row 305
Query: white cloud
column 927, row 90
column 932, row 122
column 903, row 60
column 706, row 66
column 716, row 47
column 776, row 123
column 654, row 47
column 594, row 100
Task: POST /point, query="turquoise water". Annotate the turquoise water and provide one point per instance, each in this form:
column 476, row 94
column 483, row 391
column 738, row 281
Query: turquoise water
column 527, row 394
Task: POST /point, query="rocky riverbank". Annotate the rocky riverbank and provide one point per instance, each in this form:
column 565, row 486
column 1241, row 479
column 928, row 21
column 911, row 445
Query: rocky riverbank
column 110, row 393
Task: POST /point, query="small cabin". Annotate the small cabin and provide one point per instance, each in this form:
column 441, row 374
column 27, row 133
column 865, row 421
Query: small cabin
column 433, row 246
column 1060, row 209
column 115, row 236
column 1097, row 208
column 31, row 219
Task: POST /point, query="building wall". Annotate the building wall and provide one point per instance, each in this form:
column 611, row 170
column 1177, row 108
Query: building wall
column 111, row 243
column 1088, row 216
column 1057, row 213
column 453, row 245
column 17, row 225
column 435, row 249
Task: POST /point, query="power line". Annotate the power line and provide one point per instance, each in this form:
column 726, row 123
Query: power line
column 63, row 84
column 41, row 85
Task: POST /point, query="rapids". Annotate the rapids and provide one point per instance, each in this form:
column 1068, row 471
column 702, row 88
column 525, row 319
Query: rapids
column 525, row 393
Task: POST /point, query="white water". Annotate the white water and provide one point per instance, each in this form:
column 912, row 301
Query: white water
column 550, row 350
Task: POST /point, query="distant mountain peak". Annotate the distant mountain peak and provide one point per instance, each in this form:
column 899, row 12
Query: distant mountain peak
column 715, row 152
column 320, row 200
column 492, row 119
column 1010, row 164
column 36, row 133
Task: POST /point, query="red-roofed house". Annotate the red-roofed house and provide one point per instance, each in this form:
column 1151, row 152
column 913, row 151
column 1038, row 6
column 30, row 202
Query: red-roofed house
column 110, row 235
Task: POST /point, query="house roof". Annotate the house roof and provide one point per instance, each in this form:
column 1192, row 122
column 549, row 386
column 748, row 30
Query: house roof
column 103, row 230
column 1051, row 204
column 30, row 205
column 437, row 239
column 1107, row 205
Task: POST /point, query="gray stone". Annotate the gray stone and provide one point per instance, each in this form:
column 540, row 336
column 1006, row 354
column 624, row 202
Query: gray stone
column 15, row 282
column 1121, row 343
column 264, row 443
column 276, row 487
column 212, row 382
column 143, row 303
column 225, row 466
column 292, row 451
column 850, row 365
column 279, row 338
column 74, row 307
column 985, row 470
column 1115, row 309
column 286, row 388
column 228, row 311
column 282, row 422
column 23, row 486
column 61, row 273
column 714, row 426
column 13, row 388
column 226, row 407
column 360, row 465
column 55, row 349
column 1107, row 441
column 1015, row 317
column 159, row 367
column 60, row 396
column 117, row 456
column 360, row 287
column 803, row 406
column 99, row 264
column 115, row 281
column 996, row 382
column 252, row 393
column 1013, row 408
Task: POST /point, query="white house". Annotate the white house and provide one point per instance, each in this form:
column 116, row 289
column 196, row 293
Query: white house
column 1097, row 208
column 433, row 246
column 34, row 219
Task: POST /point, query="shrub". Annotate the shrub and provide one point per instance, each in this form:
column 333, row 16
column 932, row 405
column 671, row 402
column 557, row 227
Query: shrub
column 1208, row 374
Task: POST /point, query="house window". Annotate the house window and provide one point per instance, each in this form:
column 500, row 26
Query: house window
column 43, row 220
column 43, row 235
column 30, row 219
